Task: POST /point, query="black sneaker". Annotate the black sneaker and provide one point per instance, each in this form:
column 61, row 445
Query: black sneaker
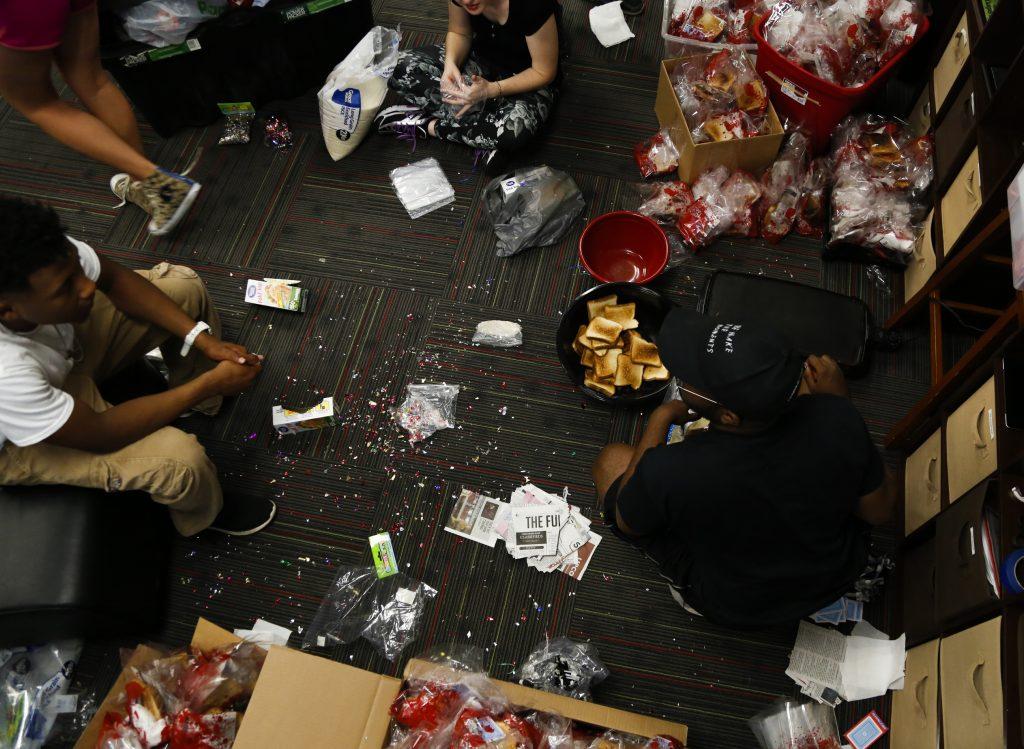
column 404, row 121
column 243, row 516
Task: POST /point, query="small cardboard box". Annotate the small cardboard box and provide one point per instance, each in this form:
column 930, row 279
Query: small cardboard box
column 750, row 154
column 303, row 700
column 322, row 415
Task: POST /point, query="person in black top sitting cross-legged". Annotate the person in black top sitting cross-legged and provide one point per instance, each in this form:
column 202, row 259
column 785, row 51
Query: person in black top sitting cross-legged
column 763, row 518
column 491, row 85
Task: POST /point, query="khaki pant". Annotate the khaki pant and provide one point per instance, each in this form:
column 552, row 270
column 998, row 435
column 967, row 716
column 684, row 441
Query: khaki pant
column 169, row 464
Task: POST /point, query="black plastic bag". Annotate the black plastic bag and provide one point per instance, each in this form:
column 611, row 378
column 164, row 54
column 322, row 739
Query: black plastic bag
column 531, row 207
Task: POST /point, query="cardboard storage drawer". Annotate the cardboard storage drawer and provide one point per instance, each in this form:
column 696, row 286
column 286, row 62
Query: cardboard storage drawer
column 920, row 117
column 954, row 133
column 961, row 585
column 922, row 262
column 952, row 61
column 970, row 674
column 961, row 202
column 922, row 481
column 971, row 441
column 915, row 708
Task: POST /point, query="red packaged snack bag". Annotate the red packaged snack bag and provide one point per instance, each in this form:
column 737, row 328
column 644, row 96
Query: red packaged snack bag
column 702, row 20
column 656, row 155
column 426, row 706
column 665, row 201
column 810, row 209
column 710, row 214
column 782, row 183
column 741, row 192
column 721, row 95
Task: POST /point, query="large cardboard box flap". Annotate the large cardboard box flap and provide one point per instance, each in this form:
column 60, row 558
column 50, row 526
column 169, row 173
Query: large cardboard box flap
column 915, row 708
column 308, row 701
column 971, row 685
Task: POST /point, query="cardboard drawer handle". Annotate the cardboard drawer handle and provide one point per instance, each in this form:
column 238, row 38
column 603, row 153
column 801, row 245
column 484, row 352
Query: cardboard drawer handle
column 920, row 708
column 977, row 695
column 961, row 41
column 926, row 110
column 969, row 106
column 929, row 479
column 979, row 425
column 969, row 186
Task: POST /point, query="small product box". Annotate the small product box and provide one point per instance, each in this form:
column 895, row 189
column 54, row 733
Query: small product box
column 319, row 416
column 750, row 154
column 276, row 292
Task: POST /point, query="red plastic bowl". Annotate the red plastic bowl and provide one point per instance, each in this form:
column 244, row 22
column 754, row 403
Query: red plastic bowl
column 623, row 246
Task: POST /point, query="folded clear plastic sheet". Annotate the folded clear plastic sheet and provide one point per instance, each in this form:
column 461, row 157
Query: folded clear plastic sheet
column 422, row 187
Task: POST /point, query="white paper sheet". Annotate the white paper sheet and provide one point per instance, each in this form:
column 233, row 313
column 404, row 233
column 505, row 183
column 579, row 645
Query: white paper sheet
column 609, row 24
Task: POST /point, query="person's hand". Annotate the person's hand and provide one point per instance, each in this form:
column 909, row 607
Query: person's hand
column 823, row 375
column 471, row 95
column 215, row 349
column 451, row 78
column 231, row 378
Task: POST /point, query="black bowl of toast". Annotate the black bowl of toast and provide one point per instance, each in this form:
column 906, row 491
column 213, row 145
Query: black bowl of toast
column 607, row 343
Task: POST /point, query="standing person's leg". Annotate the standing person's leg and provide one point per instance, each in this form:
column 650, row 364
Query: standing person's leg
column 170, row 465
column 78, row 58
column 36, row 33
column 25, row 84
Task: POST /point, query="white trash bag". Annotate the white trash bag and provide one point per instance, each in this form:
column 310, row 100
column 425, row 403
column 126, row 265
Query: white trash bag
column 164, row 22
column 355, row 89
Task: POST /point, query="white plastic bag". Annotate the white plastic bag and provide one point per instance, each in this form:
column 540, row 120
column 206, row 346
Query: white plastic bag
column 426, row 409
column 355, row 89
column 33, row 686
column 165, row 22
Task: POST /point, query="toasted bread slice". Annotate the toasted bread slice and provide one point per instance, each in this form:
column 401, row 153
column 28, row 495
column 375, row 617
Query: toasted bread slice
column 604, row 366
column 646, row 353
column 602, row 387
column 634, row 340
column 595, row 307
column 656, row 374
column 585, row 342
column 603, row 329
column 577, row 345
column 623, row 314
column 628, row 373
column 588, row 359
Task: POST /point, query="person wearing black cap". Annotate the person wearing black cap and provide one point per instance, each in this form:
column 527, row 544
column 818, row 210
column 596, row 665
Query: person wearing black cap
column 762, row 518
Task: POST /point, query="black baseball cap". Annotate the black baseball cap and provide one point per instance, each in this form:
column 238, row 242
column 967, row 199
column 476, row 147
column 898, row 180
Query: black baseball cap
column 747, row 366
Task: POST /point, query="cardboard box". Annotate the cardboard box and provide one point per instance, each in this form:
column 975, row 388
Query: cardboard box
column 751, row 154
column 322, row 415
column 915, row 708
column 971, row 688
column 303, row 700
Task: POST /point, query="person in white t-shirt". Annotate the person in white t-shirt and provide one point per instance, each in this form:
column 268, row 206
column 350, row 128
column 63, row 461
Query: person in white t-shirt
column 69, row 319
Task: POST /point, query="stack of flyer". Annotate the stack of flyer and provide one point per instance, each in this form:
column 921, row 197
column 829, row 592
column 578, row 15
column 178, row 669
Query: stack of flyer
column 542, row 528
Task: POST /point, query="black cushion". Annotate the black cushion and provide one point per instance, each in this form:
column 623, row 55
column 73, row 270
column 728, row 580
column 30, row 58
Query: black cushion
column 79, row 563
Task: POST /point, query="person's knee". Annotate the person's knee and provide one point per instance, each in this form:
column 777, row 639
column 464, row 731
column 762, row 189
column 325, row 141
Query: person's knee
column 86, row 80
column 186, row 450
column 511, row 141
column 184, row 286
column 613, row 459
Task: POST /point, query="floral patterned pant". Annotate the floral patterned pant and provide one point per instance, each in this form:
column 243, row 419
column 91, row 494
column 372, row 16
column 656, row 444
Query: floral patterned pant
column 505, row 124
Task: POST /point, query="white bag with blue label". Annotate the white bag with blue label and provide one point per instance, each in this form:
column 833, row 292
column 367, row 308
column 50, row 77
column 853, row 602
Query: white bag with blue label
column 355, row 89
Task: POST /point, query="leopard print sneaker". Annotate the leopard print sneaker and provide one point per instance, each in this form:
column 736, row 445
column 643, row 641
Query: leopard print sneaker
column 168, row 196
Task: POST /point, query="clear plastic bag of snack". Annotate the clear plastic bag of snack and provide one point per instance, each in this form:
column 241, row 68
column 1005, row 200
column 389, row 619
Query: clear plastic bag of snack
column 396, row 614
column 214, row 730
column 237, row 125
column 702, row 20
column 657, row 155
column 555, row 731
column 618, row 740
column 33, row 681
column 783, row 184
column 710, row 214
column 426, row 409
column 721, row 95
column 664, row 201
column 810, row 209
column 498, row 333
column 563, row 666
column 741, row 192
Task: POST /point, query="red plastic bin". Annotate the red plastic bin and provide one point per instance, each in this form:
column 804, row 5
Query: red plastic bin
column 803, row 97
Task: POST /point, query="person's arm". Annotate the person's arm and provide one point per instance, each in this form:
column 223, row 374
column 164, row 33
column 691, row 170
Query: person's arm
column 876, row 508
column 458, row 40
column 543, row 68
column 658, row 424
column 128, row 422
column 138, row 298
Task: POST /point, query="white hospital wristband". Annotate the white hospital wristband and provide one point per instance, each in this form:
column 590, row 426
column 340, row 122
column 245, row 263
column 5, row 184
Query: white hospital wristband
column 200, row 327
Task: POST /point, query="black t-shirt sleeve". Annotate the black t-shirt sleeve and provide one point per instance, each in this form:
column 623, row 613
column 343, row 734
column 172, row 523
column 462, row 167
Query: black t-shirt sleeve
column 845, row 423
column 643, row 511
column 535, row 13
